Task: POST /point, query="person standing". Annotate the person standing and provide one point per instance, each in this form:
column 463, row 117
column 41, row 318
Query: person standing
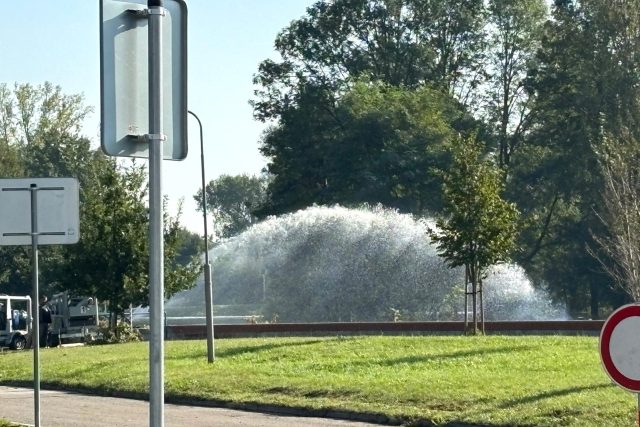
column 3, row 318
column 45, row 321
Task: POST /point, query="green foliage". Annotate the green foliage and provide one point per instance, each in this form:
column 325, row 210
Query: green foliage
column 120, row 334
column 39, row 136
column 380, row 145
column 490, row 380
column 618, row 211
column 583, row 87
column 401, row 43
column 110, row 261
column 514, row 36
column 479, row 227
column 232, row 202
column 189, row 245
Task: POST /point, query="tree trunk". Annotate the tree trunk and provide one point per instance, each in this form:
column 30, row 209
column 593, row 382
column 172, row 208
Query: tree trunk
column 474, row 299
column 481, row 290
column 594, row 301
column 466, row 299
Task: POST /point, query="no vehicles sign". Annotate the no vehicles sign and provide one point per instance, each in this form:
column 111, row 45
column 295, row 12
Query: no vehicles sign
column 620, row 347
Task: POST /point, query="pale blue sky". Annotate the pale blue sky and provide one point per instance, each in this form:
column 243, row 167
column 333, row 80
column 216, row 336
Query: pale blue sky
column 58, row 41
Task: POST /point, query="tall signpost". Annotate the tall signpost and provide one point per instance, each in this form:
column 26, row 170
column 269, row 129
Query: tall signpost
column 143, row 86
column 38, row 211
column 156, row 237
column 620, row 349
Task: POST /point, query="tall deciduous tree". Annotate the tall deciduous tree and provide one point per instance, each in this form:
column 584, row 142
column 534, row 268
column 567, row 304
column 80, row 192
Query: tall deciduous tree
column 398, row 42
column 111, row 259
column 39, row 136
column 583, row 86
column 514, row 35
column 478, row 228
column 381, row 145
column 232, row 202
column 618, row 249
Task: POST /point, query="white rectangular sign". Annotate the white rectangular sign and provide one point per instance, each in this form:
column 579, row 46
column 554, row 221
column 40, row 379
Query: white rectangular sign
column 124, row 78
column 57, row 211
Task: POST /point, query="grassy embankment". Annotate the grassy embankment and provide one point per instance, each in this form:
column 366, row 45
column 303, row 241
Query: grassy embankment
column 545, row 381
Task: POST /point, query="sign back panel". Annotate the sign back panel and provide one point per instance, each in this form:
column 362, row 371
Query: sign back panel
column 124, row 77
column 58, row 211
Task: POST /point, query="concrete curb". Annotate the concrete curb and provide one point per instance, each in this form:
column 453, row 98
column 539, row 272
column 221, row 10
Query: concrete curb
column 337, row 414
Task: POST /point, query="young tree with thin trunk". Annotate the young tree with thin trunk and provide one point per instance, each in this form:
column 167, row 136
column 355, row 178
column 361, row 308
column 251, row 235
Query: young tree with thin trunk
column 478, row 227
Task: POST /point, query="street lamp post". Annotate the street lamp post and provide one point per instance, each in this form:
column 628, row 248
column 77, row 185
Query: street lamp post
column 208, row 288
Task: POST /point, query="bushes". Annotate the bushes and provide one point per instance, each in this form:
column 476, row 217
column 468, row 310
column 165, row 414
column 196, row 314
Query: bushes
column 122, row 333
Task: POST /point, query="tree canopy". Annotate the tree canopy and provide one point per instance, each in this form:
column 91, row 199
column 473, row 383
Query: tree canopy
column 478, row 228
column 232, row 202
column 380, row 145
column 40, row 127
column 366, row 93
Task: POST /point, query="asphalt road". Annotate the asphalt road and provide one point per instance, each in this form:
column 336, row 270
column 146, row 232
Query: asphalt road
column 65, row 409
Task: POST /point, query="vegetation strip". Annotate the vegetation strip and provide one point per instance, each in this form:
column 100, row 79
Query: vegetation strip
column 491, row 380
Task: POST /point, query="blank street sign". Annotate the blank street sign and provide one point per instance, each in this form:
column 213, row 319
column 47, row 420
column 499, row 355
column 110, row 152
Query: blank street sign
column 620, row 347
column 124, row 78
column 57, row 211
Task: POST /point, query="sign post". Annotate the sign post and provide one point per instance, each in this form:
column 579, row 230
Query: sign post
column 620, row 349
column 156, row 237
column 143, row 83
column 38, row 211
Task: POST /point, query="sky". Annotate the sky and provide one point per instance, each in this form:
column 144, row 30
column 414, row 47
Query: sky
column 59, row 41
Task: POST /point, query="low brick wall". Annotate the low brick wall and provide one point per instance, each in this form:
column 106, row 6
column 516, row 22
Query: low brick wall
column 565, row 327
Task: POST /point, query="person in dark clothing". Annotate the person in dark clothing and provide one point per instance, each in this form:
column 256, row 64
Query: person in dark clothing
column 45, row 321
column 3, row 318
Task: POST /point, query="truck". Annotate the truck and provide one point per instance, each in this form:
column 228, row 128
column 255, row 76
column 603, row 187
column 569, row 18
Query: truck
column 73, row 319
column 15, row 321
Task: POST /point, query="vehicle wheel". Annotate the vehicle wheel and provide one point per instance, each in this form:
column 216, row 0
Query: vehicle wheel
column 18, row 343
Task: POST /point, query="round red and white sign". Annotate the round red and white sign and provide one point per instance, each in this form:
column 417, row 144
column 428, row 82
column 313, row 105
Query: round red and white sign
column 620, row 347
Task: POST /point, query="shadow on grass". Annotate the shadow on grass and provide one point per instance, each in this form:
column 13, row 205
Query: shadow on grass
column 292, row 391
column 443, row 356
column 81, row 369
column 248, row 349
column 552, row 393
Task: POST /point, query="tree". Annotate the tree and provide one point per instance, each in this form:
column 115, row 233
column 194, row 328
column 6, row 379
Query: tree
column 10, row 162
column 380, row 146
column 582, row 86
column 233, row 201
column 617, row 250
column 478, row 228
column 111, row 259
column 399, row 42
column 39, row 136
column 190, row 245
column 515, row 30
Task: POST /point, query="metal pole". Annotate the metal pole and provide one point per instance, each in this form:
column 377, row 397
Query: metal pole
column 35, row 337
column 156, row 226
column 208, row 287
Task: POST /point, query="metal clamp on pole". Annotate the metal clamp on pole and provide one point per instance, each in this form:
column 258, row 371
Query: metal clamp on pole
column 150, row 137
column 145, row 13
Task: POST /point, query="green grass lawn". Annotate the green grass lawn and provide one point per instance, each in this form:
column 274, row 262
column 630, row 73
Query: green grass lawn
column 542, row 381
